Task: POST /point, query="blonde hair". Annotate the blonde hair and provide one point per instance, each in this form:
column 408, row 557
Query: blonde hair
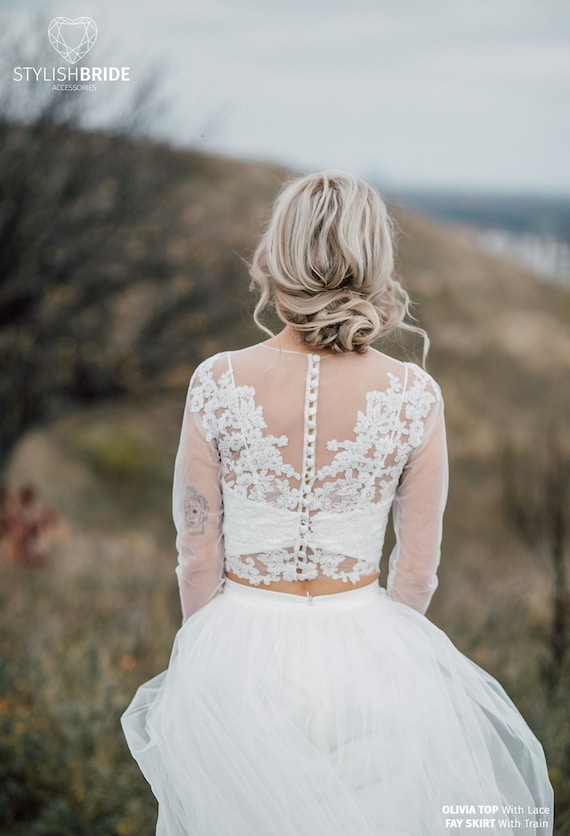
column 326, row 264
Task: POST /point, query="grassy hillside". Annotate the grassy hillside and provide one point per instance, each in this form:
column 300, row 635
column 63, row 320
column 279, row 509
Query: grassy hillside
column 79, row 635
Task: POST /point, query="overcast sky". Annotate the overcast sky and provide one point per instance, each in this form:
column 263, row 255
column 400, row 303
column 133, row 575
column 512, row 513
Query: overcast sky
column 452, row 93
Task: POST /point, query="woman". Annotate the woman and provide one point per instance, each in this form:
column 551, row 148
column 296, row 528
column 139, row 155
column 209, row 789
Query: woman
column 302, row 697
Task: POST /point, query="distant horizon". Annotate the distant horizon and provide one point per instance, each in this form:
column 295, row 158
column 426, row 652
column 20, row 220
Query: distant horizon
column 383, row 183
column 476, row 191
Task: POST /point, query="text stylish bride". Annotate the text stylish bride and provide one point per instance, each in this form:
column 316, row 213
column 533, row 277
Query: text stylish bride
column 302, row 698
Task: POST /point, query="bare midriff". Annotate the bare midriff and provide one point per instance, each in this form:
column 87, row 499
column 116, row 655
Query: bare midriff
column 319, row 586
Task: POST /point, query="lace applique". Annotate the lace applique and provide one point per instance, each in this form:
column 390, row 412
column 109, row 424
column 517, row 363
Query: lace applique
column 380, row 433
column 251, row 461
column 281, row 565
column 363, row 474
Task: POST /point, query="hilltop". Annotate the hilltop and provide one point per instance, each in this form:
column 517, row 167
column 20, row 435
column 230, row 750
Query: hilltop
column 78, row 637
column 500, row 349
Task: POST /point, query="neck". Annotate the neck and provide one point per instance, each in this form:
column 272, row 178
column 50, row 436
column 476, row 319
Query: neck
column 291, row 340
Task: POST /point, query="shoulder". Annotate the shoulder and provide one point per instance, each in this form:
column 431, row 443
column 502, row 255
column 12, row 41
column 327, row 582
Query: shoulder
column 210, row 367
column 207, row 380
column 422, row 382
column 412, row 379
column 423, row 404
column 221, row 361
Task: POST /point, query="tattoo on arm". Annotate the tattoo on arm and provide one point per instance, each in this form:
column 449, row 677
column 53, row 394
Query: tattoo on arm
column 195, row 511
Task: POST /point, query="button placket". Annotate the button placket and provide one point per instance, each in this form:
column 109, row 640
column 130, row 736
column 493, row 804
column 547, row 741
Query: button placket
column 309, row 453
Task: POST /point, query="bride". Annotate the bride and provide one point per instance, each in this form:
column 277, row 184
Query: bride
column 301, row 697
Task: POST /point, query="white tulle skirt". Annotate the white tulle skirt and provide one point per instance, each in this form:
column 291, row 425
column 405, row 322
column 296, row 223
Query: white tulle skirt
column 339, row 715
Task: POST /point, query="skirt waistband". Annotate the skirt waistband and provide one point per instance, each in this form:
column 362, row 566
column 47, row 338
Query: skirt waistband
column 269, row 597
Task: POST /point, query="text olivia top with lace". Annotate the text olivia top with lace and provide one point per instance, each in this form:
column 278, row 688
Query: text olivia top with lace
column 289, row 464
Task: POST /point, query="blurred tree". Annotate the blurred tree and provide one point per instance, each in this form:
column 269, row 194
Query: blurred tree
column 99, row 294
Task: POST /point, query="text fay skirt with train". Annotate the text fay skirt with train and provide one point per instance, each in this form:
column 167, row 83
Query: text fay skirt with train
column 336, row 715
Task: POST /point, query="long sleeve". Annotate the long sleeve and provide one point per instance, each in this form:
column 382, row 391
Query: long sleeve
column 197, row 511
column 418, row 515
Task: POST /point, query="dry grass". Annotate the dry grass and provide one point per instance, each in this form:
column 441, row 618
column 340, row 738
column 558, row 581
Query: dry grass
column 76, row 642
column 77, row 638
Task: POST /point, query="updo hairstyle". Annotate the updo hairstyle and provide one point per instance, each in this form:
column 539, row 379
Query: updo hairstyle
column 326, row 264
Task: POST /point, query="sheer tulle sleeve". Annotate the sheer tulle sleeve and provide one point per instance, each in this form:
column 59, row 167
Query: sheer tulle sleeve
column 197, row 509
column 418, row 515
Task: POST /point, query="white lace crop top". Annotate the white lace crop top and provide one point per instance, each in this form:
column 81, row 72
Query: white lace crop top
column 289, row 464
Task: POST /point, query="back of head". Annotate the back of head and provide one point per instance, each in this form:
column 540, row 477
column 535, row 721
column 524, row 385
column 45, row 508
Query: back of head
column 326, row 263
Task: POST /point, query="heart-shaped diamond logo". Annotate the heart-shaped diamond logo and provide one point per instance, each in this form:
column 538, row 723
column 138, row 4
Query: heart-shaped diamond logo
column 72, row 39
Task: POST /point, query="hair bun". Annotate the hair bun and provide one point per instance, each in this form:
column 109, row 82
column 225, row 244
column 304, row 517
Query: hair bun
column 345, row 322
column 326, row 264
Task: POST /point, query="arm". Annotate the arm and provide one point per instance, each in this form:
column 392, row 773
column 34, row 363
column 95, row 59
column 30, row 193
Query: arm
column 418, row 516
column 197, row 512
